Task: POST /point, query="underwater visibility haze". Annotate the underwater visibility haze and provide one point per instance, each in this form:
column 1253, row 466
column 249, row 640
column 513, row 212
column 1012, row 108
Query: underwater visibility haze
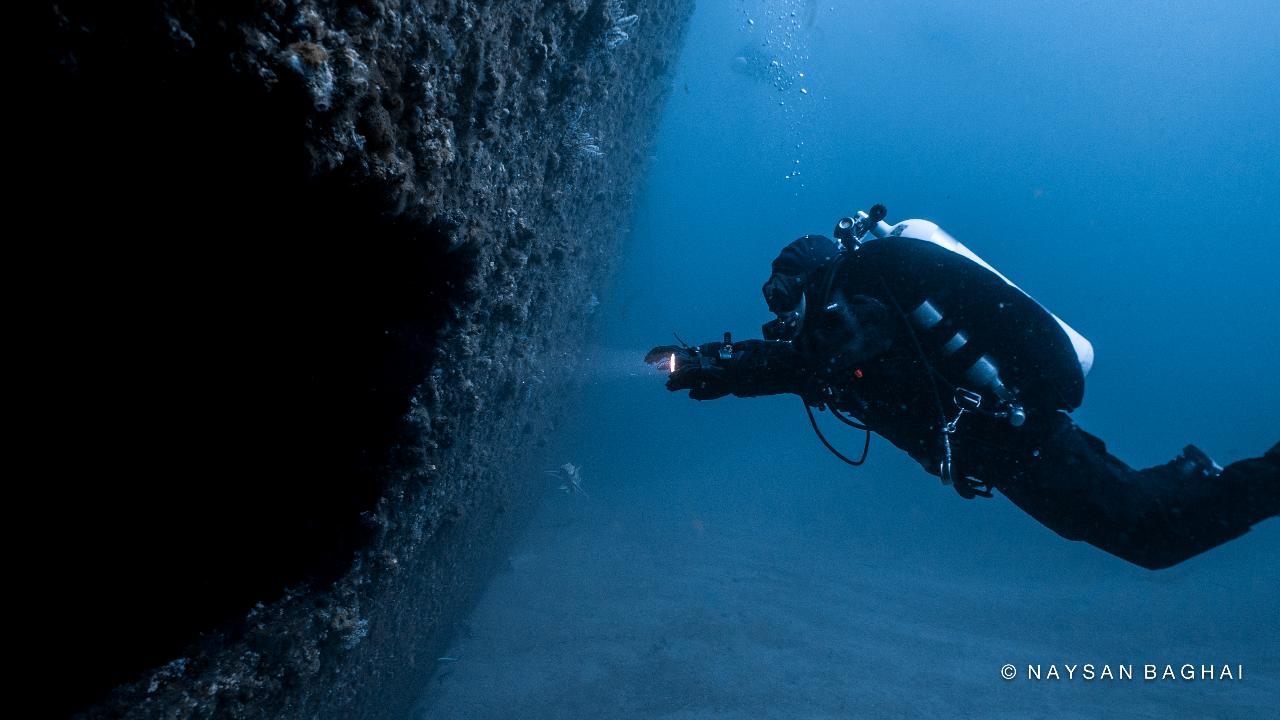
column 1115, row 160
column 334, row 400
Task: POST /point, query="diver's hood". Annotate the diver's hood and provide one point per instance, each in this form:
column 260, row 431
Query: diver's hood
column 975, row 326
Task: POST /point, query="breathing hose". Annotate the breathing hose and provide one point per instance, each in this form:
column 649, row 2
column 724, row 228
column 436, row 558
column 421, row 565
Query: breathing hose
column 866, row 444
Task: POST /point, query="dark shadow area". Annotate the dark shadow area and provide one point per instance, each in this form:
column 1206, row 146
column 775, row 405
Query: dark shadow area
column 224, row 350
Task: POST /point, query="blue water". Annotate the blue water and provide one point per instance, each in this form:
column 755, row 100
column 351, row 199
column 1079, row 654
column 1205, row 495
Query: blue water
column 1118, row 163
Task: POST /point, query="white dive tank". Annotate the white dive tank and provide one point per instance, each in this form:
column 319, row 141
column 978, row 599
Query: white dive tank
column 930, row 232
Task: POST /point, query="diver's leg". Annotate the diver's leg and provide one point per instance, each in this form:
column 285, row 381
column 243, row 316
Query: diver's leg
column 1154, row 518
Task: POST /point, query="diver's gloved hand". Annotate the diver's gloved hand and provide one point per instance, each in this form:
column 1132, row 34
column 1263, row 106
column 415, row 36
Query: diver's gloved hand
column 697, row 370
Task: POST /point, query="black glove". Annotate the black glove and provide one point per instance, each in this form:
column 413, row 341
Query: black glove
column 697, row 370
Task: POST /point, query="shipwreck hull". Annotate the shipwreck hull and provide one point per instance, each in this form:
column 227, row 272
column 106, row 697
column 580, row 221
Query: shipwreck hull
column 299, row 316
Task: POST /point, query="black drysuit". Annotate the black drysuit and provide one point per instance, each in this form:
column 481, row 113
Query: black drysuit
column 856, row 352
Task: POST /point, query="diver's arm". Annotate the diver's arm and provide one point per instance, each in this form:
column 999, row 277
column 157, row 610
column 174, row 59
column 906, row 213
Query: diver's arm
column 753, row 367
column 848, row 330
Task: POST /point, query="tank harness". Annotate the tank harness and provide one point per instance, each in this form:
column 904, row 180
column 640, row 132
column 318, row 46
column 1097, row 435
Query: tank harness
column 848, row 231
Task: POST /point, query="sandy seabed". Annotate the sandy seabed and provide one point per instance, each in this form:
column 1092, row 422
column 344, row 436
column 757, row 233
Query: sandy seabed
column 695, row 596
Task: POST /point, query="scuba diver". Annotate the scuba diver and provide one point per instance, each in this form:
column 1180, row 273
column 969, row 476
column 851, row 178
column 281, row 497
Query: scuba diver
column 903, row 331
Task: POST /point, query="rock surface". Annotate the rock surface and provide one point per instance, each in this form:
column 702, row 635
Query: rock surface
column 310, row 279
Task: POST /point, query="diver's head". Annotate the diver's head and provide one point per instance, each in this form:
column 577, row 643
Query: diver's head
column 783, row 293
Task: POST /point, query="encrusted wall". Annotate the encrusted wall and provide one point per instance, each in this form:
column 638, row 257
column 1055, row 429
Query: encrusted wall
column 327, row 265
